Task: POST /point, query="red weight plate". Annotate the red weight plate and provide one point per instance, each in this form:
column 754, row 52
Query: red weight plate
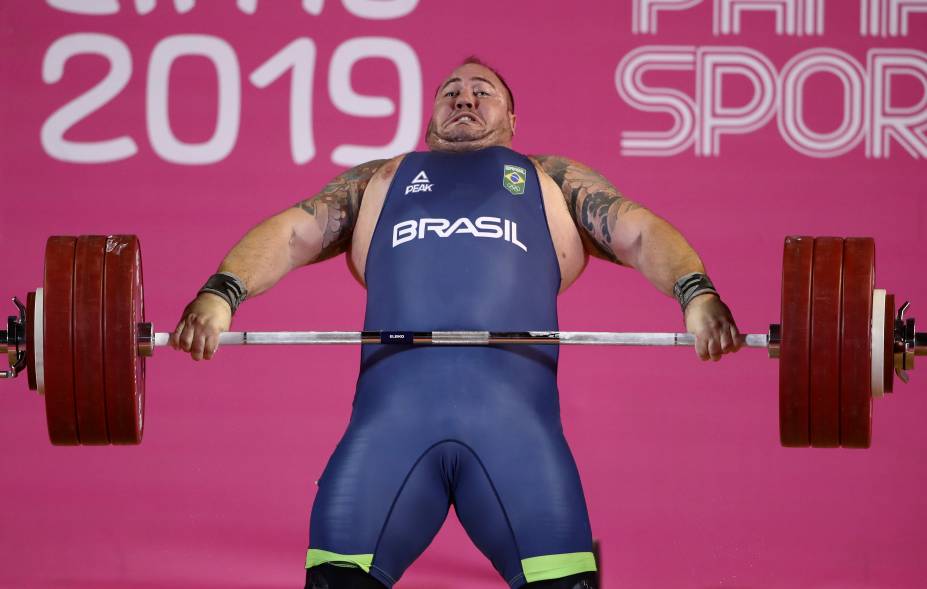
column 889, row 342
column 795, row 346
column 89, row 392
column 58, row 349
column 30, row 345
column 856, row 353
column 825, row 342
column 123, row 310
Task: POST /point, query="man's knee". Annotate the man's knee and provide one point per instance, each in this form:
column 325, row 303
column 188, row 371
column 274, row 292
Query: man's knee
column 328, row 576
column 580, row 581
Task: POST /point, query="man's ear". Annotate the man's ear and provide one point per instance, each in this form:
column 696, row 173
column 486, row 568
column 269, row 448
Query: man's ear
column 512, row 121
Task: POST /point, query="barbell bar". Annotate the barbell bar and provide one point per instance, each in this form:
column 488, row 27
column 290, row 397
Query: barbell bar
column 457, row 338
column 82, row 340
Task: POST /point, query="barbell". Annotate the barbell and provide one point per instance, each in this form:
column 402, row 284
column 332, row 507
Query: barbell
column 82, row 341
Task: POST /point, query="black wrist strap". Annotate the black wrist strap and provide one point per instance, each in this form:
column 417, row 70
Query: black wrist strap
column 229, row 287
column 690, row 286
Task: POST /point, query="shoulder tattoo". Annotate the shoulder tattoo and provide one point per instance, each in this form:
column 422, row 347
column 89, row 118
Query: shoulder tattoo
column 335, row 208
column 594, row 202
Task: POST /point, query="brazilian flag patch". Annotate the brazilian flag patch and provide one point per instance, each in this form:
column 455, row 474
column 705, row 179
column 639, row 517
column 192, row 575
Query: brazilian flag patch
column 513, row 178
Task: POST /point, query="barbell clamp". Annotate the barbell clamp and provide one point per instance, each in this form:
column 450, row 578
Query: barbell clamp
column 146, row 342
column 908, row 343
column 13, row 342
column 773, row 340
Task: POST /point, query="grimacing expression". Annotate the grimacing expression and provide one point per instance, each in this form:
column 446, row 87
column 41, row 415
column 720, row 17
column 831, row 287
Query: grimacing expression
column 471, row 111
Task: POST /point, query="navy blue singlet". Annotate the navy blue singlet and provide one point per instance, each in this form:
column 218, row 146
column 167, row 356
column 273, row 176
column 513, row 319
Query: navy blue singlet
column 462, row 243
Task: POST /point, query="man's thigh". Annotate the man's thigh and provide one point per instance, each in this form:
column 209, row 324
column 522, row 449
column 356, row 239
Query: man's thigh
column 519, row 497
column 382, row 499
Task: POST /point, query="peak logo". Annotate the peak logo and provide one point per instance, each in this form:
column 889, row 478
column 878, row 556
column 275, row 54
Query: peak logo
column 488, row 227
column 420, row 183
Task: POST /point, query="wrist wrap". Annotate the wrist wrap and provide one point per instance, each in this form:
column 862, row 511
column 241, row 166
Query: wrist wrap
column 227, row 286
column 690, row 286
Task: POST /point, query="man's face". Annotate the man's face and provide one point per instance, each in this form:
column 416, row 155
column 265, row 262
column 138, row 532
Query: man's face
column 471, row 111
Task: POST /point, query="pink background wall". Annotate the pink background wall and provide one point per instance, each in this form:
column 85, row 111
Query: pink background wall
column 685, row 480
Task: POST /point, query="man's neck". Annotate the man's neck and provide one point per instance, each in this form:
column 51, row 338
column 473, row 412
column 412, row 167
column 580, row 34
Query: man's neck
column 463, row 146
column 437, row 143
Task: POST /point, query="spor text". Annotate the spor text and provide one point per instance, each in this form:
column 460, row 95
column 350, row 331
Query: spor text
column 880, row 95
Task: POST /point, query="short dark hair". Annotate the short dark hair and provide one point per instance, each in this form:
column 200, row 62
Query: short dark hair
column 474, row 60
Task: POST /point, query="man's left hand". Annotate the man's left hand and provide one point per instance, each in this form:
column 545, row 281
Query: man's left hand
column 711, row 322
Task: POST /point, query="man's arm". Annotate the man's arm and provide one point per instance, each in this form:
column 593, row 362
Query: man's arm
column 617, row 229
column 315, row 229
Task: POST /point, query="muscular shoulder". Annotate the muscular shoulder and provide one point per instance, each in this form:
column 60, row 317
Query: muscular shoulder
column 594, row 203
column 334, row 210
column 566, row 171
column 361, row 175
column 552, row 187
column 387, row 168
column 575, row 180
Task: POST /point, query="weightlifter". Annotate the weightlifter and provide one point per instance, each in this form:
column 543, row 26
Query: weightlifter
column 470, row 235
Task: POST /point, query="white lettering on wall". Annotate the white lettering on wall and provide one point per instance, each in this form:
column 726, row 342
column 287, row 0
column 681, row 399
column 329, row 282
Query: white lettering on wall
column 792, row 125
column 120, row 70
column 869, row 111
column 223, row 59
column 298, row 58
column 644, row 12
column 793, row 17
column 629, row 81
column 713, row 66
column 90, row 7
column 380, row 9
column 368, row 9
column 887, row 18
column 348, row 101
column 906, row 125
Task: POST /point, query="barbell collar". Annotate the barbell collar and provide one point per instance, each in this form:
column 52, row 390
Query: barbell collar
column 774, row 340
column 13, row 341
column 920, row 344
column 146, row 339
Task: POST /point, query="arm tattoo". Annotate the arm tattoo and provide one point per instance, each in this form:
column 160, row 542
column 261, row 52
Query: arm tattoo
column 596, row 205
column 335, row 208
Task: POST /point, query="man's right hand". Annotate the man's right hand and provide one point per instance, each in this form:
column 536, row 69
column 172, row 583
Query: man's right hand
column 202, row 321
